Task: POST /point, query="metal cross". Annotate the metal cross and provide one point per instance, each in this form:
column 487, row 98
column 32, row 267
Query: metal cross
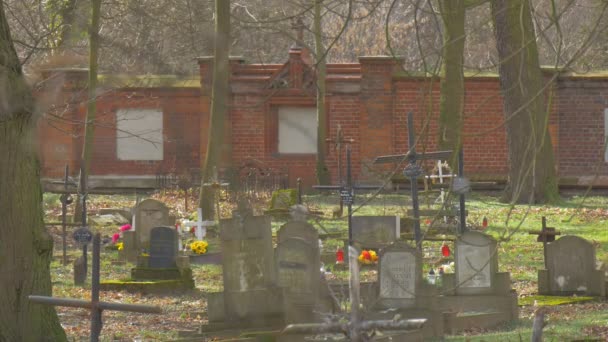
column 95, row 305
column 347, row 193
column 545, row 235
column 413, row 171
column 66, row 200
column 355, row 329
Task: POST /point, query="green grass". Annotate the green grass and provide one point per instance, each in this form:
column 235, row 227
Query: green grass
column 518, row 253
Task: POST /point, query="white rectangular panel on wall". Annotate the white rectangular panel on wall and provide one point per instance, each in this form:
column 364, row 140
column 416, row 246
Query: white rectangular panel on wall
column 297, row 130
column 139, row 134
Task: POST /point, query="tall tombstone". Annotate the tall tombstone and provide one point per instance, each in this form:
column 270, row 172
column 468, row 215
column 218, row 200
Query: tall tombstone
column 400, row 276
column 148, row 214
column 375, row 231
column 571, row 269
column 476, row 264
column 298, row 269
column 163, row 247
column 248, row 266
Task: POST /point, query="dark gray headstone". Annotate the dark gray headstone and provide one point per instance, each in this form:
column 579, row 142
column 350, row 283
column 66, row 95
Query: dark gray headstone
column 476, row 263
column 572, row 268
column 375, row 231
column 400, row 275
column 163, row 247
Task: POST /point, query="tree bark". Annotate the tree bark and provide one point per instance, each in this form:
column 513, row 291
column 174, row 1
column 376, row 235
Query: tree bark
column 25, row 246
column 219, row 104
column 323, row 176
column 532, row 176
column 451, row 103
column 89, row 126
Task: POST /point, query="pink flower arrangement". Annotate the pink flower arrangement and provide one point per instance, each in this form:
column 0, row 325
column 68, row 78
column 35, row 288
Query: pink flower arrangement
column 125, row 227
column 115, row 237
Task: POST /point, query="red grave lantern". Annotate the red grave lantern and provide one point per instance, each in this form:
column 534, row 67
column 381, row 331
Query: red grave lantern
column 339, row 256
column 445, row 250
column 484, row 222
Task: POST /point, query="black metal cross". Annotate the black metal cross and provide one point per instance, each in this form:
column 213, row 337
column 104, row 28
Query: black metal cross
column 355, row 328
column 66, row 199
column 413, row 171
column 95, row 305
column 545, row 235
column 347, row 193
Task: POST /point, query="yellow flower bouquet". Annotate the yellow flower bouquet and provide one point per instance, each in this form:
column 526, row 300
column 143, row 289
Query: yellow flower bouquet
column 199, row 247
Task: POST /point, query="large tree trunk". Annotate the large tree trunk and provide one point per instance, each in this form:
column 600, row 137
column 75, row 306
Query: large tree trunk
column 323, row 176
column 219, row 104
column 531, row 164
column 87, row 148
column 25, row 246
column 452, row 77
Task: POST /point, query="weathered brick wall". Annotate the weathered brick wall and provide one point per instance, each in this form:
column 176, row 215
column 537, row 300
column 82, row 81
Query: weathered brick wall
column 369, row 100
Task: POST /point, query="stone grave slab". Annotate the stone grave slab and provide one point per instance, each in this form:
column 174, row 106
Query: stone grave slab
column 571, row 269
column 248, row 268
column 400, row 275
column 163, row 247
column 476, row 263
column 148, row 214
column 298, row 269
column 375, row 231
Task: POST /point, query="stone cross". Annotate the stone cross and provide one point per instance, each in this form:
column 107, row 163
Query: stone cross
column 545, row 235
column 95, row 305
column 413, row 171
column 347, row 193
column 355, row 328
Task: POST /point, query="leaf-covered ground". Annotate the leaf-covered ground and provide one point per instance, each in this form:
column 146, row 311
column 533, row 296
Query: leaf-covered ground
column 519, row 253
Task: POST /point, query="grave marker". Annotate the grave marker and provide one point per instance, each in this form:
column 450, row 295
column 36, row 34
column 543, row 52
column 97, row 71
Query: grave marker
column 571, row 269
column 148, row 214
column 545, row 235
column 476, row 263
column 400, row 275
column 375, row 231
column 163, row 247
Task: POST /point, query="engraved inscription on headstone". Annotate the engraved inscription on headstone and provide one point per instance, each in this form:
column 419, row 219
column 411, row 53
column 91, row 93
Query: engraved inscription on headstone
column 473, row 265
column 163, row 247
column 293, row 269
column 476, row 263
column 398, row 275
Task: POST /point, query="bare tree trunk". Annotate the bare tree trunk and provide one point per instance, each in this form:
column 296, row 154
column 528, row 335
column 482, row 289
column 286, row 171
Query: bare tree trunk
column 323, row 176
column 531, row 164
column 219, row 103
column 537, row 325
column 452, row 77
column 25, row 246
column 87, row 148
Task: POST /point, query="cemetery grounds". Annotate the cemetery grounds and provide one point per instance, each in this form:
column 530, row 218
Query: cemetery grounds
column 518, row 253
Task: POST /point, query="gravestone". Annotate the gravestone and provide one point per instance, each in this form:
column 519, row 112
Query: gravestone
column 248, row 268
column 163, row 247
column 129, row 251
column 400, row 276
column 375, row 231
column 148, row 214
column 476, row 295
column 571, row 269
column 298, row 269
column 476, row 263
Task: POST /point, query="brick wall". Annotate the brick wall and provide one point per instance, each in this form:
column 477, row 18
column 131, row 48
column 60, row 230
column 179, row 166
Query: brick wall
column 369, row 100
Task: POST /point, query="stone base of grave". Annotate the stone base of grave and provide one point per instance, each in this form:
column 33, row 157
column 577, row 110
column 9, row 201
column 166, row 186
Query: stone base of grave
column 173, row 286
column 489, row 308
column 549, row 287
column 253, row 307
column 425, row 305
column 206, row 259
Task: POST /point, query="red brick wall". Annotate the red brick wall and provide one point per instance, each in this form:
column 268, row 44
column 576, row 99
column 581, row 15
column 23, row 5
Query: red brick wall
column 367, row 99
